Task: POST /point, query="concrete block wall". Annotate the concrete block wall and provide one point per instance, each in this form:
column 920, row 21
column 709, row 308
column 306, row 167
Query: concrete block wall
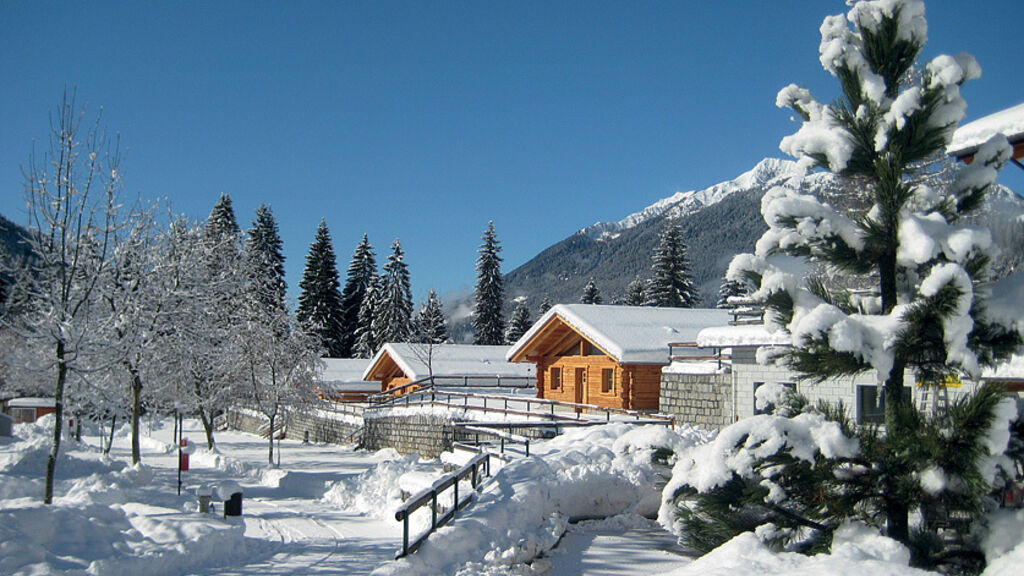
column 320, row 428
column 703, row 400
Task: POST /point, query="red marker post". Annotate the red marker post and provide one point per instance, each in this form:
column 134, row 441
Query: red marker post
column 184, row 449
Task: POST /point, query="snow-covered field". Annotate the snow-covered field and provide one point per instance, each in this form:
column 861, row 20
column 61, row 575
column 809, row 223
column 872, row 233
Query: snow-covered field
column 579, row 507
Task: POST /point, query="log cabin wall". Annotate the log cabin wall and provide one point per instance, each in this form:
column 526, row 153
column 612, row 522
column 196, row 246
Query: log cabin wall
column 588, row 370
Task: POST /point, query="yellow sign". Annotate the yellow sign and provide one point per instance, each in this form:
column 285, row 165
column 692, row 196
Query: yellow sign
column 949, row 381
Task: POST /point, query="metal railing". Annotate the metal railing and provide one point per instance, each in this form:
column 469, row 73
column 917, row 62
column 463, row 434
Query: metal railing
column 521, row 382
column 430, row 495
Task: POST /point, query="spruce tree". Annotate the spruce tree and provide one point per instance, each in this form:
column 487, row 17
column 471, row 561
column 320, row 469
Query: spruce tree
column 367, row 340
column 635, row 293
column 265, row 263
column 671, row 286
column 519, row 323
column 729, row 289
column 361, row 271
column 591, row 295
column 927, row 314
column 488, row 320
column 319, row 310
column 545, row 305
column 392, row 321
column 430, row 323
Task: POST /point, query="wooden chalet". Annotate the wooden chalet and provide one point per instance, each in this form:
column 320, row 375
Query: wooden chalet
column 29, row 409
column 397, row 364
column 609, row 356
column 969, row 137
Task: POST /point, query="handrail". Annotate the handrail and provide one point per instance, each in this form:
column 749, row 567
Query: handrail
column 407, row 400
column 428, row 382
column 429, row 495
column 470, row 427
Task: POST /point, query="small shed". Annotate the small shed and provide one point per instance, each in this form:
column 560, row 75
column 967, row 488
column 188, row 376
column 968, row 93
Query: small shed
column 400, row 363
column 609, row 356
column 341, row 380
column 29, row 409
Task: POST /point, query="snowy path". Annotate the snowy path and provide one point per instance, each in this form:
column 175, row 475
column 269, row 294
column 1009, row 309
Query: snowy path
column 288, row 529
column 597, row 548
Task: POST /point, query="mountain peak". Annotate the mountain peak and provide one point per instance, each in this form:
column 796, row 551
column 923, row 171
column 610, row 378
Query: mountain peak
column 684, row 203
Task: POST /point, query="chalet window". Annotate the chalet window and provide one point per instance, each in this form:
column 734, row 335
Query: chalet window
column 607, row 380
column 556, row 378
column 573, row 350
column 871, row 404
column 590, row 350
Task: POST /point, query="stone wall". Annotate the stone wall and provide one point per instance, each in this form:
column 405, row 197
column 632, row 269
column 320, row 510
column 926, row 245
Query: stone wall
column 427, row 435
column 703, row 400
column 321, row 427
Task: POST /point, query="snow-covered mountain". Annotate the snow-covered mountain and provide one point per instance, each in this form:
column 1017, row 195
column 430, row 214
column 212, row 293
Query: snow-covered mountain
column 717, row 222
column 685, row 203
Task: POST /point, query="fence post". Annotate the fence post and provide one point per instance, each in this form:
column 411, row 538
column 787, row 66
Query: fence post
column 433, row 511
column 405, row 535
column 527, row 447
column 455, row 507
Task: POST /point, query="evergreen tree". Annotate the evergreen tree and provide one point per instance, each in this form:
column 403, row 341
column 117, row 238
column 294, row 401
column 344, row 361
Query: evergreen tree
column 367, row 340
column 265, row 263
column 319, row 310
column 488, row 320
column 392, row 321
column 591, row 295
column 361, row 271
column 928, row 314
column 221, row 223
column 635, row 295
column 430, row 322
column 728, row 289
column 519, row 323
column 545, row 305
column 671, row 286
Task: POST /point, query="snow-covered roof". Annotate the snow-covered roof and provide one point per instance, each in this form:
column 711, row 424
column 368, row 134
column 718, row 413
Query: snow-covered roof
column 967, row 138
column 448, row 360
column 345, row 374
column 1012, row 369
column 31, row 403
column 742, row 335
column 629, row 334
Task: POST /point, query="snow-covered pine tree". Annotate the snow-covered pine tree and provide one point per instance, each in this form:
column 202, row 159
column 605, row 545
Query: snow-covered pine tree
column 591, row 295
column 927, row 314
column 488, row 319
column 361, row 271
column 519, row 323
column 430, row 323
column 319, row 310
column 393, row 318
column 670, row 285
column 635, row 295
column 367, row 341
column 545, row 305
column 265, row 283
column 728, row 289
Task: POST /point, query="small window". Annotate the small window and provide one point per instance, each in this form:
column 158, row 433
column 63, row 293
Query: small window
column 556, row 378
column 607, row 380
column 871, row 404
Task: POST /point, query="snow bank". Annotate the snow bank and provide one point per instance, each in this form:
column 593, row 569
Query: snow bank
column 856, row 550
column 598, row 472
column 378, row 491
column 97, row 524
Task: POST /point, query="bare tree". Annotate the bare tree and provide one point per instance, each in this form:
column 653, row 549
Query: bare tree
column 72, row 199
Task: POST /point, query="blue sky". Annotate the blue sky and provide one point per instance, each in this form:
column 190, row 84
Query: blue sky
column 424, row 120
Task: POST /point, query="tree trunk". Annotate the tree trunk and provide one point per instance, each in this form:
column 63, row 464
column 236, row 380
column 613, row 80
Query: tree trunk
column 207, row 420
column 270, row 436
column 110, row 441
column 896, row 508
column 136, row 379
column 58, row 424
